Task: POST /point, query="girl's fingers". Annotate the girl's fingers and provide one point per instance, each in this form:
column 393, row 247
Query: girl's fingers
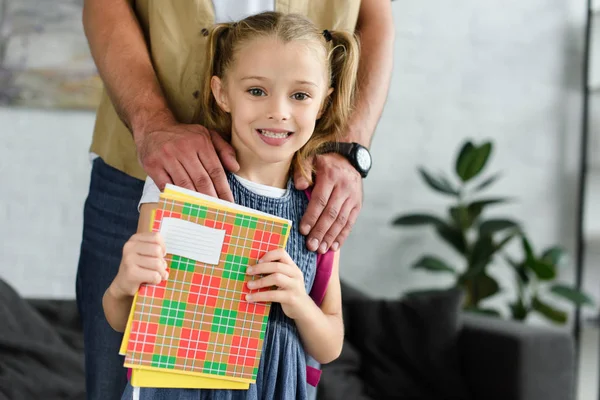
column 277, row 255
column 150, row 250
column 152, row 237
column 149, row 276
column 277, row 279
column 274, row 296
column 152, row 264
column 274, row 267
column 131, row 280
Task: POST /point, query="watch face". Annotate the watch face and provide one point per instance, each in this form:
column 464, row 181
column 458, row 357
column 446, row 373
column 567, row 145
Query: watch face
column 363, row 158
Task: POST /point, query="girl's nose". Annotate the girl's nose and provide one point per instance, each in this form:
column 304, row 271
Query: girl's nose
column 279, row 109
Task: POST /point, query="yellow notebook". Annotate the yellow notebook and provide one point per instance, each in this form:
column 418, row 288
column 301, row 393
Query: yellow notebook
column 196, row 330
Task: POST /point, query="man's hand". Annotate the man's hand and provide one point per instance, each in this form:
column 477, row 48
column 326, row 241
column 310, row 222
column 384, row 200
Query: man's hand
column 189, row 156
column 334, row 204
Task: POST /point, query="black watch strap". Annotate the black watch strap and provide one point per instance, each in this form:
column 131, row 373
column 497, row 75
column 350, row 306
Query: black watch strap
column 348, row 150
column 343, row 148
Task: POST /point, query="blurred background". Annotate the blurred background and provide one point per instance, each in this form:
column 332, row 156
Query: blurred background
column 505, row 73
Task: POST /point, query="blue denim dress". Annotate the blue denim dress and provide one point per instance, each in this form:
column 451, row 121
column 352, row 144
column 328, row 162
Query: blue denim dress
column 282, row 370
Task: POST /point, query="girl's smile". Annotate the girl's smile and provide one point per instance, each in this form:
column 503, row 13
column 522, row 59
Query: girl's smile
column 274, row 137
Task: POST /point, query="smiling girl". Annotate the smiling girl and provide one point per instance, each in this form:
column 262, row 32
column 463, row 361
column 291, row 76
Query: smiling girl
column 280, row 89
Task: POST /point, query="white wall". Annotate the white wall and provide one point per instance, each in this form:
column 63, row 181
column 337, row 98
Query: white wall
column 508, row 71
column 45, row 173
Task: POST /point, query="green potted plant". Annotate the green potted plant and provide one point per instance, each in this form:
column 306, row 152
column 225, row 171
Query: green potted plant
column 481, row 241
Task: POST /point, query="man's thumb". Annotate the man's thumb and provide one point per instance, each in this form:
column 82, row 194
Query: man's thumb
column 225, row 151
column 300, row 180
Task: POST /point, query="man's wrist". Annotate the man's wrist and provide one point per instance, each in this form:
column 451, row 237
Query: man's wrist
column 358, row 134
column 356, row 154
column 148, row 120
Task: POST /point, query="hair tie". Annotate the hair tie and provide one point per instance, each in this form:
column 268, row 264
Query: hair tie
column 327, row 35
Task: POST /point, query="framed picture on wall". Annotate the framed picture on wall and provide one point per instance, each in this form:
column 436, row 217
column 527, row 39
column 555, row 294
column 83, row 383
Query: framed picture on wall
column 44, row 56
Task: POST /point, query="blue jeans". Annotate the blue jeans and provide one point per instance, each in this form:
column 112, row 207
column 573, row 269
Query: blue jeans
column 110, row 217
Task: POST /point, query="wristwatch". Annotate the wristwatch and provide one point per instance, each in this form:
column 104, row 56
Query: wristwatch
column 358, row 155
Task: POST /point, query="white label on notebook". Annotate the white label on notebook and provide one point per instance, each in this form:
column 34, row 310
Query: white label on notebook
column 187, row 239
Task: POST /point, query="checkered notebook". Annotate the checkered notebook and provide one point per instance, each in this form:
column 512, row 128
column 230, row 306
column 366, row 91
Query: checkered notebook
column 197, row 322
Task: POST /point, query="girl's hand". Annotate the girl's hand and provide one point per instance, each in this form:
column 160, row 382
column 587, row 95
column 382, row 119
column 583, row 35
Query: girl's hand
column 143, row 262
column 280, row 271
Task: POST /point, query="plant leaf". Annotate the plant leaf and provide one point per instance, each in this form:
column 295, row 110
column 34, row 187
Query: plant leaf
column 434, row 264
column 453, row 236
column 437, row 184
column 483, row 250
column 476, row 207
column 465, row 154
column 481, row 287
column 472, row 272
column 554, row 255
column 492, row 226
column 504, row 241
column 548, row 311
column 460, row 216
column 573, row 295
column 542, row 269
column 487, row 286
column 487, row 182
column 527, row 248
column 484, row 311
column 417, row 219
column 519, row 268
column 446, row 183
column 518, row 311
column 472, row 160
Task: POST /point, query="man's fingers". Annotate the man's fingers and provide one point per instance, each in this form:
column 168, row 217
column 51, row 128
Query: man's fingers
column 197, row 173
column 179, row 175
column 327, row 219
column 160, row 178
column 216, row 174
column 225, row 152
column 348, row 228
column 331, row 237
column 300, row 182
column 318, row 201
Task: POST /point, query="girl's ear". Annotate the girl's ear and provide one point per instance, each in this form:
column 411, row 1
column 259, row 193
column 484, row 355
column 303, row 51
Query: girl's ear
column 325, row 101
column 218, row 91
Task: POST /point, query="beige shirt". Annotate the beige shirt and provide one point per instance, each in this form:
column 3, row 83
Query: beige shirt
column 173, row 31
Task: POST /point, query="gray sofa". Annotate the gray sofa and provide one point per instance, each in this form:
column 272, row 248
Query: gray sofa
column 484, row 359
column 441, row 354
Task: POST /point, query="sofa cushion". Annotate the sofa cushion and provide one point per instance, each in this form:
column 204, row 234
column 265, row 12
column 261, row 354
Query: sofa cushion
column 408, row 347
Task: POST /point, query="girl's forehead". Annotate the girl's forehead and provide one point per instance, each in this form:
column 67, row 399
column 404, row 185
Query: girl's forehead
column 270, row 54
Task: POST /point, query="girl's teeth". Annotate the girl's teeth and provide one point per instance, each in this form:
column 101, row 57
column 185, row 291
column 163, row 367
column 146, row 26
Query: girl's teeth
column 274, row 135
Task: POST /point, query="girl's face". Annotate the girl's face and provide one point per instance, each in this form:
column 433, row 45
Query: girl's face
column 274, row 92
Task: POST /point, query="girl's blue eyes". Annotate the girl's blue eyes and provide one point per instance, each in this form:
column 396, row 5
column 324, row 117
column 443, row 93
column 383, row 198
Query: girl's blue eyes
column 259, row 92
